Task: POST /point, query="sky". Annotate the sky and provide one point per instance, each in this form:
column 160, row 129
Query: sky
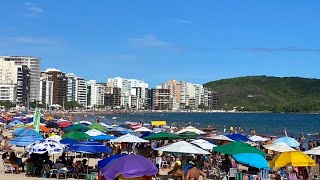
column 195, row 41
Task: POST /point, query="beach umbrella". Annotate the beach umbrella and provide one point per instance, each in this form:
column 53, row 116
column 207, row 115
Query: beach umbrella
column 143, row 129
column 256, row 138
column 102, row 163
column 98, row 126
column 24, row 140
column 14, row 123
column 129, row 166
column 279, row 147
column 288, row 140
column 106, row 125
column 121, row 129
column 252, row 159
column 203, row 144
column 295, row 158
column 237, row 147
column 55, row 138
column 94, row 132
column 238, row 137
column 102, row 138
column 52, row 125
column 128, row 138
column 191, row 129
column 75, row 127
column 76, row 135
column 68, row 142
column 182, row 147
column 64, row 124
column 25, row 132
column 189, row 135
column 218, row 137
column 313, row 151
column 162, row 136
column 86, row 123
column 90, row 147
column 46, row 145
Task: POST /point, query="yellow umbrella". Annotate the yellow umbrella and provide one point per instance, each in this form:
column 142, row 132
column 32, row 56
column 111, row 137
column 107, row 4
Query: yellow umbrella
column 295, row 158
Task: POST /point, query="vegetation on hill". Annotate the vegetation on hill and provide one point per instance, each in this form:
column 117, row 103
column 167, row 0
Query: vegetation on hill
column 265, row 93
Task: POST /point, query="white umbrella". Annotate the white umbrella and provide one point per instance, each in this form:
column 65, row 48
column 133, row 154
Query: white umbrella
column 128, row 138
column 256, row 138
column 94, row 132
column 203, row 144
column 55, row 138
column 219, row 137
column 313, row 151
column 106, row 125
column 279, row 147
column 191, row 129
column 143, row 129
column 47, row 145
column 182, row 147
column 84, row 122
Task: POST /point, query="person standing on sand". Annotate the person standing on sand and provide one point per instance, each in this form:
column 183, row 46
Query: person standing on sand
column 194, row 173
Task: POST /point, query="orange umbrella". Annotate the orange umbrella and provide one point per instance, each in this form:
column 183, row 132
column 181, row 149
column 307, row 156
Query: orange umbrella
column 42, row 128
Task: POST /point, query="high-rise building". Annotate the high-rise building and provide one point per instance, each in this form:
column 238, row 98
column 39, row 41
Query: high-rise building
column 59, row 79
column 76, row 89
column 213, row 100
column 46, row 90
column 33, row 63
column 23, row 88
column 71, row 87
column 159, row 99
column 97, row 92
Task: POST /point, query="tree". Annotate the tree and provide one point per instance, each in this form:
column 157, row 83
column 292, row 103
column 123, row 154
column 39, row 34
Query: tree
column 7, row 104
column 71, row 105
column 202, row 107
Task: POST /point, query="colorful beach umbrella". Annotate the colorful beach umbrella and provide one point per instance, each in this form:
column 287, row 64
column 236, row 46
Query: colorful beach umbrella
column 75, row 127
column 64, row 124
column 218, row 137
column 237, row 147
column 203, row 144
column 191, row 129
column 46, row 145
column 76, row 135
column 98, row 127
column 189, row 135
column 102, row 163
column 295, row 158
column 313, row 151
column 102, row 138
column 24, row 140
column 89, row 147
column 25, row 132
column 182, row 147
column 162, row 136
column 279, row 147
column 14, row 123
column 68, row 142
column 238, row 137
column 256, row 138
column 128, row 138
column 94, row 132
column 143, row 129
column 129, row 166
column 252, row 159
column 288, row 140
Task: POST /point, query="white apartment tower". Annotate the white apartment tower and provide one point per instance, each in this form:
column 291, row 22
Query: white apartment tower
column 97, row 92
column 76, row 89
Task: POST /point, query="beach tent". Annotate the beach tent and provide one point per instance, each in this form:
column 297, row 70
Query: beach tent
column 46, row 145
column 313, row 151
column 252, row 159
column 94, row 132
column 143, row 129
column 288, row 140
column 76, row 135
column 203, row 144
column 190, row 129
column 189, row 135
column 162, row 136
column 238, row 137
column 129, row 166
column 295, row 158
column 218, row 137
column 182, row 147
column 237, row 147
column 256, row 138
column 158, row 123
column 279, row 147
column 128, row 138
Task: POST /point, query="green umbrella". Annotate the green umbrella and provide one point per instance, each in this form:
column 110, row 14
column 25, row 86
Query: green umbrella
column 75, row 127
column 162, row 136
column 98, row 127
column 76, row 135
column 237, row 148
column 189, row 135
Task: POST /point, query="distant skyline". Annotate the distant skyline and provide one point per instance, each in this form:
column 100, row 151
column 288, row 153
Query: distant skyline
column 160, row 40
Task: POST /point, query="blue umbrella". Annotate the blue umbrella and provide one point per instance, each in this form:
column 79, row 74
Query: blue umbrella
column 102, row 163
column 89, row 147
column 26, row 132
column 15, row 123
column 287, row 140
column 252, row 159
column 102, row 138
column 24, row 140
column 68, row 142
column 238, row 137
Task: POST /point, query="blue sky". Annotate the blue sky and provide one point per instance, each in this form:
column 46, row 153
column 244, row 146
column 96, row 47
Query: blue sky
column 196, row 41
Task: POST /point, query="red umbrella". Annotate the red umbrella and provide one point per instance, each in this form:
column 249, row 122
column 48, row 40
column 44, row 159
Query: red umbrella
column 64, row 124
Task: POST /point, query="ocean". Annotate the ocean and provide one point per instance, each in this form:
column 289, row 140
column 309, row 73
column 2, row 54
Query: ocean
column 263, row 123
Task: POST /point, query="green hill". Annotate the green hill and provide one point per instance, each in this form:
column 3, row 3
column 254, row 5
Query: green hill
column 264, row 93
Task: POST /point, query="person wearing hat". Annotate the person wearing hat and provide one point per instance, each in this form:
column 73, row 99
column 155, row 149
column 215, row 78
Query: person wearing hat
column 177, row 171
column 194, row 173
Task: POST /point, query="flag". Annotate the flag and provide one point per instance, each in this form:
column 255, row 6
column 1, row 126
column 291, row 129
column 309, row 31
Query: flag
column 36, row 120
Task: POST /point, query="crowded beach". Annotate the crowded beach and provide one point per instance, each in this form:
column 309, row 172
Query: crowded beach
column 48, row 146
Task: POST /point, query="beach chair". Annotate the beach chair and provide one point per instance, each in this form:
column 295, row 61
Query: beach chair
column 7, row 168
column 48, row 171
column 30, row 169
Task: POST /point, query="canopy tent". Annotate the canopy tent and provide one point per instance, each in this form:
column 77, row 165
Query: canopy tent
column 128, row 138
column 257, row 138
column 102, row 163
column 75, row 127
column 218, row 137
column 143, row 129
column 158, row 123
column 182, row 147
column 162, row 136
column 252, row 159
column 238, row 147
column 76, row 135
column 189, row 135
column 238, row 137
column 129, row 166
column 190, row 129
column 203, row 144
column 98, row 126
column 279, row 147
column 46, row 145
column 94, row 132
column 288, row 140
column 24, row 140
column 296, row 158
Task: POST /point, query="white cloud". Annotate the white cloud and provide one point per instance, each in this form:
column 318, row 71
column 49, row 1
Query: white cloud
column 32, row 40
column 33, row 9
column 182, row 21
column 149, row 41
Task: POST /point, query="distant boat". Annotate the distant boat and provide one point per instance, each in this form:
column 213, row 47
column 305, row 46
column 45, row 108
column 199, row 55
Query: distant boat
column 114, row 117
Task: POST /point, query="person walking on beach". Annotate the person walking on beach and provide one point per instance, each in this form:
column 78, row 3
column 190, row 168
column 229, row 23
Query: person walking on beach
column 194, row 173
